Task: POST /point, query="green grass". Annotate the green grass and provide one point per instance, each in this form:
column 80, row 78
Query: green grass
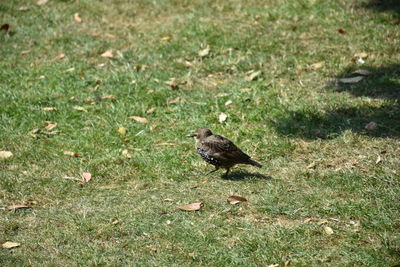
column 290, row 117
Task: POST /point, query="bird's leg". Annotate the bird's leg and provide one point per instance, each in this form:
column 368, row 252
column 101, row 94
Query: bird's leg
column 216, row 169
column 227, row 171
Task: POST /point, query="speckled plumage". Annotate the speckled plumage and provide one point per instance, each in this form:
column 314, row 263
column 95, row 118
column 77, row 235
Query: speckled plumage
column 219, row 151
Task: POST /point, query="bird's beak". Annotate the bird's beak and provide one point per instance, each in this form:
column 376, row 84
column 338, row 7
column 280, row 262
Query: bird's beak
column 190, row 135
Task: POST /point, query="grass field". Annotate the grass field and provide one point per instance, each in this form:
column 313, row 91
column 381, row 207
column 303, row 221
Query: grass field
column 328, row 193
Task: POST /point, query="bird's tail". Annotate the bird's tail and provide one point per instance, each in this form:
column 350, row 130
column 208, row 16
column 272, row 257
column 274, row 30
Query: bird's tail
column 254, row 163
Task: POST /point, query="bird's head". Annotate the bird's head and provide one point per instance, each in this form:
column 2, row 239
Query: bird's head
column 200, row 133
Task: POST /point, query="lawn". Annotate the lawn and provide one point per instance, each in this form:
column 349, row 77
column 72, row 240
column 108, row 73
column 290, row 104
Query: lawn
column 111, row 88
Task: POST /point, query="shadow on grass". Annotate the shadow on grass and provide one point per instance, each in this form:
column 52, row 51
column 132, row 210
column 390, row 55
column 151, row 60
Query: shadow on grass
column 382, row 83
column 241, row 175
column 383, row 5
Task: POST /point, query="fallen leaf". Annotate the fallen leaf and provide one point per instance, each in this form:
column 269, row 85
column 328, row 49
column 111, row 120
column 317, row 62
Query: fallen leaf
column 341, row 31
column 70, row 69
column 355, row 79
column 360, row 61
column 234, row 199
column 253, row 76
column 317, row 65
column 362, row 72
column 41, row 2
column 80, row 108
column 50, row 125
column 151, row 110
column 229, row 102
column 311, row 165
column 328, row 230
column 222, row 117
column 5, row 27
column 115, row 222
column 138, row 119
column 126, row 153
column 204, row 52
column 86, row 176
column 61, row 56
column 174, row 101
column 121, row 131
column 72, row 154
column 9, row 244
column 49, row 108
column 172, row 83
column 371, row 126
column 191, row 207
column 5, row 154
column 16, row 207
column 273, row 265
column 361, row 55
column 108, row 54
column 378, row 160
column 110, row 97
column 322, row 221
column 77, row 18
column 24, row 52
column 222, row 95
column 166, row 38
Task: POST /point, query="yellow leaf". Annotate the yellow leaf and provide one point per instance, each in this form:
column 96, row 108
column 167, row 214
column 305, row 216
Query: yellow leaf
column 121, row 130
column 328, row 230
column 166, row 38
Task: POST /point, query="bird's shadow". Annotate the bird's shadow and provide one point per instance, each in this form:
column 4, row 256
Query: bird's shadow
column 242, row 175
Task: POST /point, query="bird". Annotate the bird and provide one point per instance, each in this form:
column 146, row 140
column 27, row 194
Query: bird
column 219, row 151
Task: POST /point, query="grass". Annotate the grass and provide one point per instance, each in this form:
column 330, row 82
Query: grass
column 321, row 166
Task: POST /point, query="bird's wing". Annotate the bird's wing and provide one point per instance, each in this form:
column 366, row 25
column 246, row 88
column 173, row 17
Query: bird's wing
column 222, row 148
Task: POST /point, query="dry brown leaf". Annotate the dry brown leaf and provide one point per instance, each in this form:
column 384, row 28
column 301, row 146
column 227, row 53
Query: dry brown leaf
column 328, row 230
column 24, row 52
column 362, row 72
column 5, row 154
column 126, row 153
column 371, row 126
column 139, row 119
column 50, row 125
column 121, row 131
column 61, row 56
column 191, row 207
column 16, row 207
column 317, row 65
column 151, row 111
column 49, row 108
column 234, row 199
column 311, row 165
column 361, row 55
column 41, row 2
column 5, row 27
column 108, row 54
column 229, row 102
column 253, row 75
column 86, row 176
column 115, row 222
column 77, row 18
column 72, row 154
column 174, row 101
column 172, row 83
column 204, row 52
column 9, row 244
column 222, row 117
column 166, row 38
column 355, row 79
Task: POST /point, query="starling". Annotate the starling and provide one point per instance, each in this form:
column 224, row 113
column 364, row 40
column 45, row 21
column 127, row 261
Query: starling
column 219, row 151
